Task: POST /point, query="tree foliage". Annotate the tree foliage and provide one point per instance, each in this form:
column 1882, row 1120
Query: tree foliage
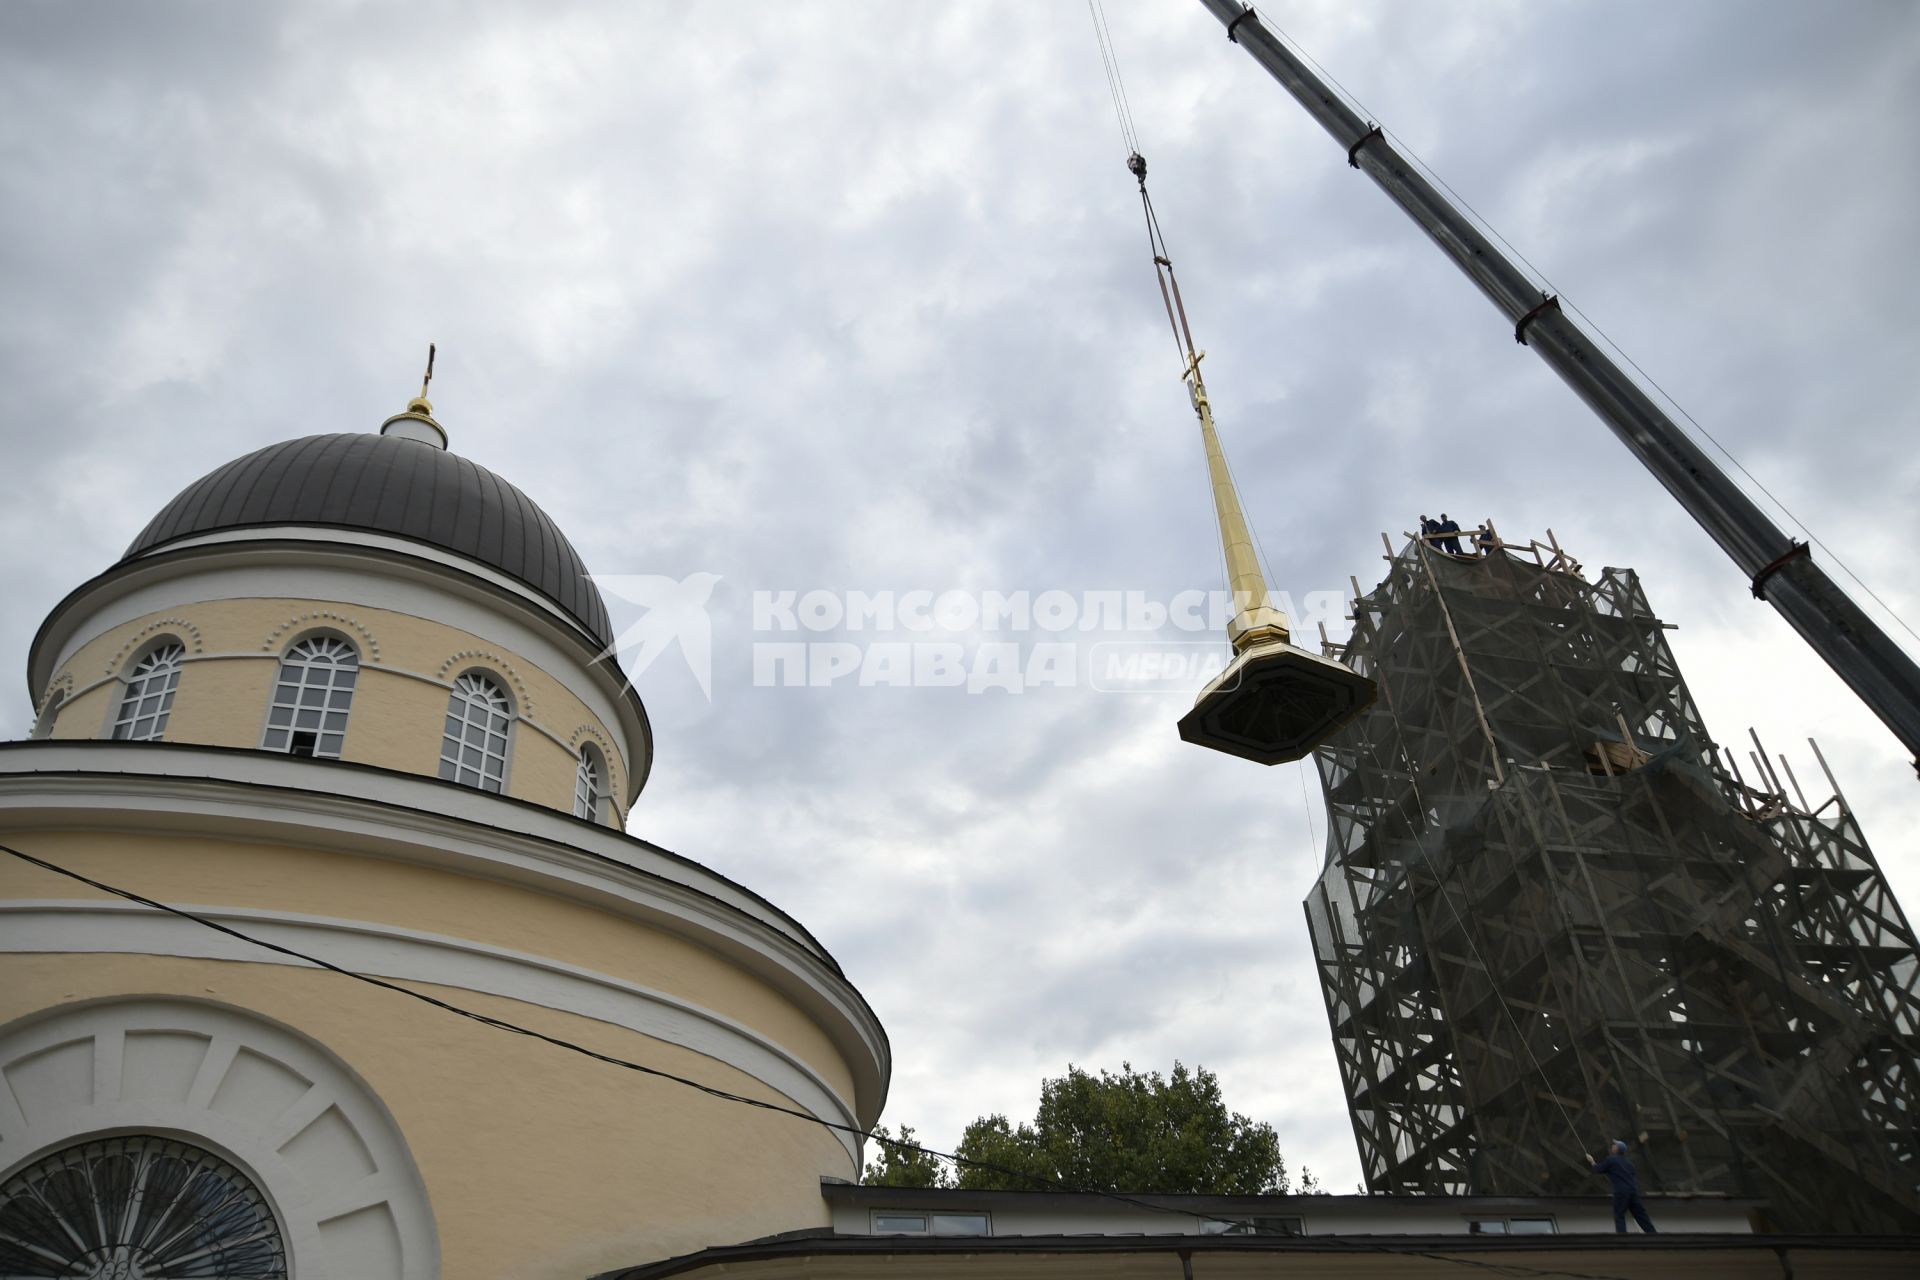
column 894, row 1165
column 1133, row 1131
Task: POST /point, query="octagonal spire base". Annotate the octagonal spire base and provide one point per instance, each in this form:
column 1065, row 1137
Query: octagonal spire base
column 1276, row 703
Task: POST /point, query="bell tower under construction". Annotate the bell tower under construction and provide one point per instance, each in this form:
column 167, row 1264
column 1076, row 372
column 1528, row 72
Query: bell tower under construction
column 1554, row 911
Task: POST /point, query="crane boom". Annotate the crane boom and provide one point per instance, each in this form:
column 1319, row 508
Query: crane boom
column 1780, row 570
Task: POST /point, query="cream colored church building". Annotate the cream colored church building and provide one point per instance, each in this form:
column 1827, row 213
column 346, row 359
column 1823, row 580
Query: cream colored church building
column 342, row 695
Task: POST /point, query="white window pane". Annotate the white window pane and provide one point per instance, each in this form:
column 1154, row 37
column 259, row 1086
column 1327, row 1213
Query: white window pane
column 315, row 677
column 149, row 694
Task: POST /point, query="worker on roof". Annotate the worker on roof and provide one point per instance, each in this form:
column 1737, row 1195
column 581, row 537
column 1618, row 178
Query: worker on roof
column 1428, row 528
column 1451, row 528
column 1626, row 1187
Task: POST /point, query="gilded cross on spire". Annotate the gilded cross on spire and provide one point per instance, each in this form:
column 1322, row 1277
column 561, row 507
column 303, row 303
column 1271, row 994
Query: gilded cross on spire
column 415, row 422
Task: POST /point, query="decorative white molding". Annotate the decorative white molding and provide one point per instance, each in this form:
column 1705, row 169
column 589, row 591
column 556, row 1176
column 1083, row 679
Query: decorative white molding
column 319, row 619
column 244, row 795
column 61, row 687
column 616, row 781
column 91, row 927
column 467, row 659
column 189, row 635
column 305, row 1131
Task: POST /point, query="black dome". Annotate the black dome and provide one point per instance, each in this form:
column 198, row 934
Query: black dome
column 395, row 486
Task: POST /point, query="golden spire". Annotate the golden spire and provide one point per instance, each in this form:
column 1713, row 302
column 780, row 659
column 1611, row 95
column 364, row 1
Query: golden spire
column 1255, row 618
column 1273, row 702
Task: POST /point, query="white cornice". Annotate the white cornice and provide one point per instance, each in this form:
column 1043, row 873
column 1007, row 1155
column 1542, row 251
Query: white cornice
column 92, row 927
column 333, row 805
column 349, row 567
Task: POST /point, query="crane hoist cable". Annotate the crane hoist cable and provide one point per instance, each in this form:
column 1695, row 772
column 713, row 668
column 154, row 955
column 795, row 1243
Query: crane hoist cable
column 1137, row 166
column 1190, row 357
column 1110, row 63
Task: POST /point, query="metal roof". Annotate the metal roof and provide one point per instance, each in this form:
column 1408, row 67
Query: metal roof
column 394, row 486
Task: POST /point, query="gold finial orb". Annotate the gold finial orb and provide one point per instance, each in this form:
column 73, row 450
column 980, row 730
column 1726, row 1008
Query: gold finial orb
column 415, row 422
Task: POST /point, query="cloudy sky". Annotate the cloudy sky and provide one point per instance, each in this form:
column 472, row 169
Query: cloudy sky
column 854, row 297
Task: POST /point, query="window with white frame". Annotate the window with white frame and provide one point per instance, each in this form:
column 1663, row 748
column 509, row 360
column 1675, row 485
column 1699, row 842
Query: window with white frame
column 1512, row 1226
column 148, row 701
column 473, row 750
column 589, row 785
column 918, row 1222
column 1257, row 1225
column 312, row 697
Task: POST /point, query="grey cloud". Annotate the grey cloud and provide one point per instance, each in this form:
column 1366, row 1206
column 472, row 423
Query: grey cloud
column 855, row 296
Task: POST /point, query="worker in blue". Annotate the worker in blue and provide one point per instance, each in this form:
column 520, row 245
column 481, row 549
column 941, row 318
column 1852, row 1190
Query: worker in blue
column 1428, row 527
column 1626, row 1187
column 1451, row 528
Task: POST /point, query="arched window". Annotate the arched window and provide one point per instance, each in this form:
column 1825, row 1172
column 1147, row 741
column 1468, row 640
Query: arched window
column 312, row 697
column 589, row 785
column 137, row 1205
column 473, row 750
column 149, row 697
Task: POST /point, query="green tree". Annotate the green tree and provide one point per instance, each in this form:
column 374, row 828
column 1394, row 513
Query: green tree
column 1128, row 1132
column 894, row 1165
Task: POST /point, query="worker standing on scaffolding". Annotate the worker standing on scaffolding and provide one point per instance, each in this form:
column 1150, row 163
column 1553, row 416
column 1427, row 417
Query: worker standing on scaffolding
column 1450, row 527
column 1626, row 1187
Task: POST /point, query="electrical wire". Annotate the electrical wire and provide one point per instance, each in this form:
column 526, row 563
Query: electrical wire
column 724, row 1095
column 1543, row 282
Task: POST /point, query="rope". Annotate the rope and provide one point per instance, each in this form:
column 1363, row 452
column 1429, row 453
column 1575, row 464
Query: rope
column 1162, row 268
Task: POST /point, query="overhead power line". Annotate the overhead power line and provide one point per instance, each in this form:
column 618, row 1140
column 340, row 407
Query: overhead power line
column 739, row 1099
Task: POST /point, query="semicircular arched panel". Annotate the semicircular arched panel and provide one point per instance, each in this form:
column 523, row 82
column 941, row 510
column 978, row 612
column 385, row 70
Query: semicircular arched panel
column 291, row 1118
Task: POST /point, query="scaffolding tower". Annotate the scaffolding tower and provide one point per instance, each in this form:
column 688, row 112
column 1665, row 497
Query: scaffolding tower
column 1553, row 912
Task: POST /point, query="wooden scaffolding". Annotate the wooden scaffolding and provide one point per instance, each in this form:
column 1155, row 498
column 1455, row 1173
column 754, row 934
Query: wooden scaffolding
column 1553, row 912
